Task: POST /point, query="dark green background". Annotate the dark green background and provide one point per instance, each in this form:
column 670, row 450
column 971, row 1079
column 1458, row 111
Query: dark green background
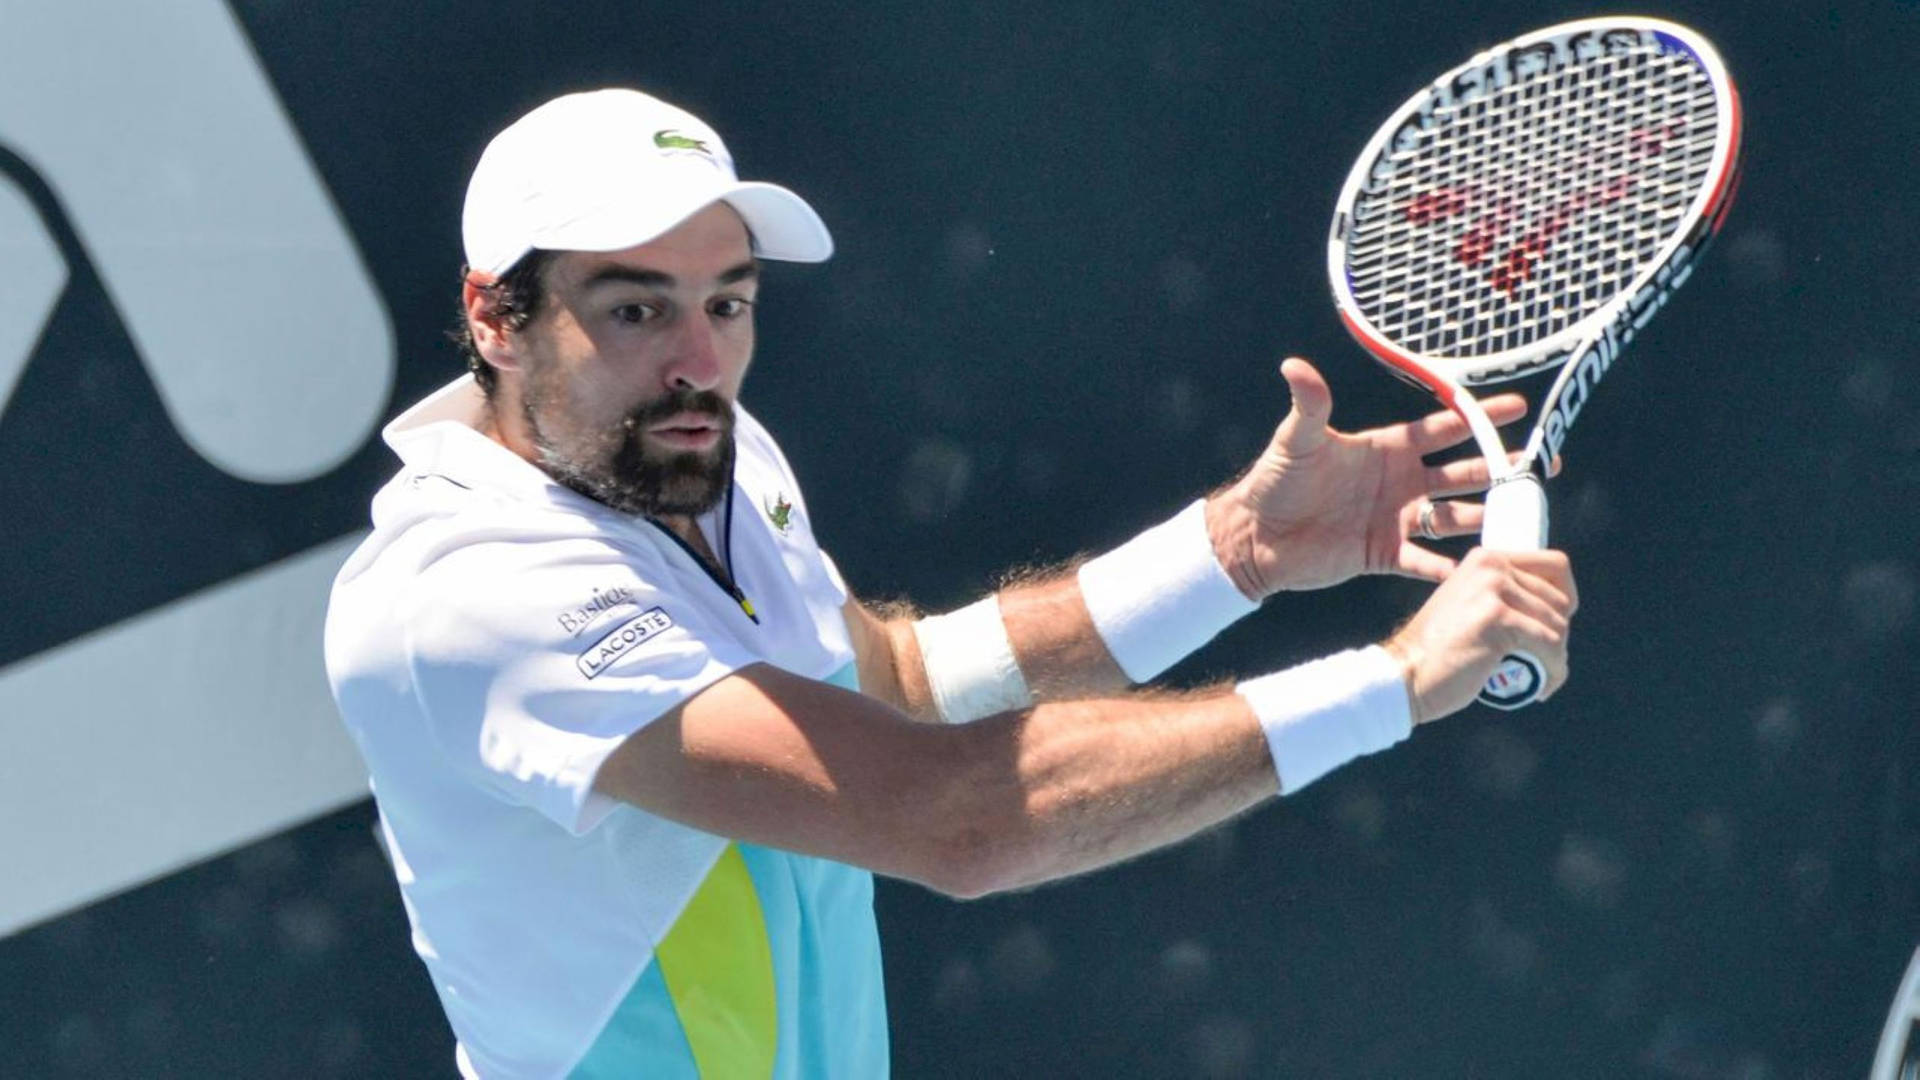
column 1075, row 241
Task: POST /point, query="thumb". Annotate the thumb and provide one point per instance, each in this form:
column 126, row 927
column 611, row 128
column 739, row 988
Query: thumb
column 1306, row 424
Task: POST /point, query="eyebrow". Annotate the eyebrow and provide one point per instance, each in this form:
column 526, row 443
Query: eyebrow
column 655, row 279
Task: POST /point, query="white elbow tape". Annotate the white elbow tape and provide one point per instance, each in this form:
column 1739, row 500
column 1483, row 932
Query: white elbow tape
column 970, row 665
column 1161, row 595
column 1322, row 714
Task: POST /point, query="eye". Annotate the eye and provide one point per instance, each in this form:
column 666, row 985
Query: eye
column 635, row 314
column 731, row 307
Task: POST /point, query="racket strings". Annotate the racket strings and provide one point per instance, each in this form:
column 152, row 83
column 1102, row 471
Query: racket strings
column 1514, row 214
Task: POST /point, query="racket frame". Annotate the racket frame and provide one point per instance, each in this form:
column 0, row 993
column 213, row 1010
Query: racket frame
column 1516, row 516
column 1585, row 350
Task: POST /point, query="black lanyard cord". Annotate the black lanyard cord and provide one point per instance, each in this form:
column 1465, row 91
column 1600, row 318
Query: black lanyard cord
column 724, row 580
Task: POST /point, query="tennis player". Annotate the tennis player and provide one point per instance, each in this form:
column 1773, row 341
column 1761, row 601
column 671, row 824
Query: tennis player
column 637, row 751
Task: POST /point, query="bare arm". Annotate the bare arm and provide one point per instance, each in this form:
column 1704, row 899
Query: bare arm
column 1023, row 797
column 1316, row 508
column 1053, row 639
column 775, row 759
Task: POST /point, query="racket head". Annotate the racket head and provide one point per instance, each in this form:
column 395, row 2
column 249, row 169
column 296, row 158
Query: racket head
column 1508, row 214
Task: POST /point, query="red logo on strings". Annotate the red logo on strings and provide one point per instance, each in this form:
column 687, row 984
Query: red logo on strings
column 1518, row 262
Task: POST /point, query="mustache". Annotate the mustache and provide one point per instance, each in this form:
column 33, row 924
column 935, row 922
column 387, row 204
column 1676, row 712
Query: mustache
column 700, row 402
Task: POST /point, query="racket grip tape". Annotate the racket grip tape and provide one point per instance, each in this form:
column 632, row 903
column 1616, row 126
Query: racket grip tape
column 1516, row 521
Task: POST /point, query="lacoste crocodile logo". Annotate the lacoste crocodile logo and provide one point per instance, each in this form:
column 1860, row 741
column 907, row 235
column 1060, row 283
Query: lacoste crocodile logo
column 673, row 140
column 780, row 512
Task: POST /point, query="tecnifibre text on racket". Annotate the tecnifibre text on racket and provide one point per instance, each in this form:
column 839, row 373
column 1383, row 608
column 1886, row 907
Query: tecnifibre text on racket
column 1532, row 209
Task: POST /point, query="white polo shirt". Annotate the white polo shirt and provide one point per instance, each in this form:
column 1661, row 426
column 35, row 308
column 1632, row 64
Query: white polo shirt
column 490, row 644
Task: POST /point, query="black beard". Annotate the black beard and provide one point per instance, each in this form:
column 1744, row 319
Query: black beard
column 634, row 481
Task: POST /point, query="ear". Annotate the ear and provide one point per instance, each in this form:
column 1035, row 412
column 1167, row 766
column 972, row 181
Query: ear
column 490, row 335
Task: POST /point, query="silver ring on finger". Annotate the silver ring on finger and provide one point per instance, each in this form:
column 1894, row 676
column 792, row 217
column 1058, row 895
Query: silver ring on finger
column 1426, row 530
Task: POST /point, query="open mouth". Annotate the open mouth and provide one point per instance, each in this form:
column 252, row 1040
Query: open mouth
column 686, row 431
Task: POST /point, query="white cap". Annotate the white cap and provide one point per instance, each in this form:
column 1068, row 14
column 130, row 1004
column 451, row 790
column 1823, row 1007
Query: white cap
column 608, row 169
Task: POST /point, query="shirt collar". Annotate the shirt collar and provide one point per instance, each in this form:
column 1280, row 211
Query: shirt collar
column 442, row 434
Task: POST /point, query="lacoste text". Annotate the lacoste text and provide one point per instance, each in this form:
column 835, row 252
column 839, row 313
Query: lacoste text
column 624, row 639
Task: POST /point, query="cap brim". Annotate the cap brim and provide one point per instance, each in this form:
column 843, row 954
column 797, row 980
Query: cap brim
column 783, row 226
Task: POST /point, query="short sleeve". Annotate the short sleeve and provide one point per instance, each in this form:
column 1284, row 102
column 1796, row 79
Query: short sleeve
column 532, row 663
column 833, row 577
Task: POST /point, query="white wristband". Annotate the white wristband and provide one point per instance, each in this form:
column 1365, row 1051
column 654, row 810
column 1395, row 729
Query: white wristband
column 1322, row 714
column 1161, row 595
column 970, row 665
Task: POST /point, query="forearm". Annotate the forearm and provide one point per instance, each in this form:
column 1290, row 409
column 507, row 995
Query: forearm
column 1018, row 798
column 1059, row 650
column 1118, row 619
column 1069, row 787
column 771, row 758
column 1049, row 634
column 1073, row 786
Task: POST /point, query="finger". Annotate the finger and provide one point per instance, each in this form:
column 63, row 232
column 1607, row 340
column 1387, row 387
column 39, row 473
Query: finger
column 1555, row 681
column 1531, row 640
column 1504, row 409
column 1545, row 591
column 1451, row 517
column 1543, row 574
column 1448, row 517
column 1467, row 476
column 1439, row 430
column 1305, row 426
column 1536, row 611
column 1547, row 646
column 1551, row 569
column 1415, row 561
column 1436, row 431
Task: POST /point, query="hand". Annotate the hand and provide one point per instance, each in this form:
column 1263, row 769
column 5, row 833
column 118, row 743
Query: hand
column 1320, row 506
column 1496, row 603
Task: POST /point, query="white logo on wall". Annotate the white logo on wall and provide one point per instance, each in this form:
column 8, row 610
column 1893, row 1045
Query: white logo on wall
column 192, row 198
column 211, row 232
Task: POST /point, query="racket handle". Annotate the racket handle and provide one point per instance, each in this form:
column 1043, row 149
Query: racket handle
column 1516, row 515
column 1516, row 521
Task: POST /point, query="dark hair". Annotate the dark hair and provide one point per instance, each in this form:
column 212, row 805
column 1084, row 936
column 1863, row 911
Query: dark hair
column 515, row 300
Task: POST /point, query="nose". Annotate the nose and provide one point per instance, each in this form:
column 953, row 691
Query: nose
column 695, row 364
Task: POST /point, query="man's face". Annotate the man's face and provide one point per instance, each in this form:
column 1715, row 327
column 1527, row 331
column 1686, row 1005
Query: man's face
column 629, row 372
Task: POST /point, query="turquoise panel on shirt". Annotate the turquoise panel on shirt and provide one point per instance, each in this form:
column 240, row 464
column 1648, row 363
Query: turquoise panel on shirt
column 643, row 1038
column 831, row 1000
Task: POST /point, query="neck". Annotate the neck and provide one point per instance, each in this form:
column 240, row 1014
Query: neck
column 504, row 425
column 684, row 527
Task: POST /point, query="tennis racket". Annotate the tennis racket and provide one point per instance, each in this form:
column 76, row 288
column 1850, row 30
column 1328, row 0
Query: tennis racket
column 1898, row 1055
column 1529, row 210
